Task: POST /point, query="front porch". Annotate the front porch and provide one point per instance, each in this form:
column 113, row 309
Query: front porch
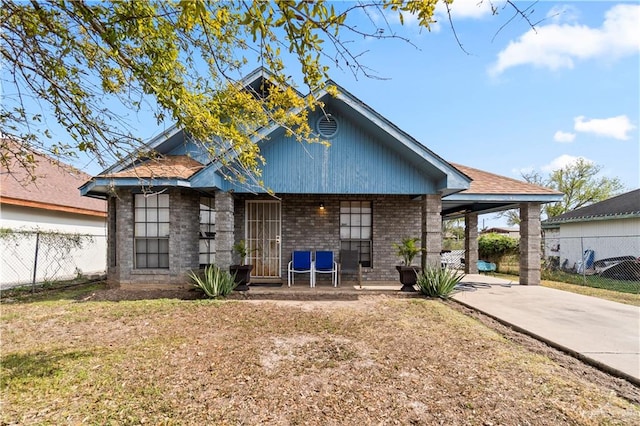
column 350, row 290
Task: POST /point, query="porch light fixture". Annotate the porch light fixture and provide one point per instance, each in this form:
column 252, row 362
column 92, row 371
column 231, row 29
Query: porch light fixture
column 321, row 206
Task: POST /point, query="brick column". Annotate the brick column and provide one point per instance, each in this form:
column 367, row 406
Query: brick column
column 431, row 230
column 224, row 229
column 530, row 240
column 471, row 243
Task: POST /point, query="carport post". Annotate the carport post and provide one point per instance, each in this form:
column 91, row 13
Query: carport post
column 471, row 243
column 530, row 240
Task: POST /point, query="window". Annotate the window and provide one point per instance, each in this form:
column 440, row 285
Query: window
column 151, row 231
column 356, row 229
column 207, row 231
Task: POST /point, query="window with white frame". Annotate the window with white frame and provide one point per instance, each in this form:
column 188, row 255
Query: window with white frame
column 151, row 231
column 356, row 227
column 207, row 231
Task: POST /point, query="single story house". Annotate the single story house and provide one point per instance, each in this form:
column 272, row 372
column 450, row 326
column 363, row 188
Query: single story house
column 373, row 186
column 509, row 232
column 609, row 228
column 48, row 205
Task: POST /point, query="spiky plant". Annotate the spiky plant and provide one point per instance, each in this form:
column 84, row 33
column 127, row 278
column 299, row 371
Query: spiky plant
column 438, row 282
column 214, row 282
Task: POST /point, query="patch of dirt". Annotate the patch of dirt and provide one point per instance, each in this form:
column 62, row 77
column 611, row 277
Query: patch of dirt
column 309, row 302
column 621, row 387
column 381, row 359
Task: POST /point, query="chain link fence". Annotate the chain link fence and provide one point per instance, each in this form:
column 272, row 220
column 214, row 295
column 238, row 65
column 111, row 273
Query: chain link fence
column 604, row 261
column 36, row 257
column 608, row 262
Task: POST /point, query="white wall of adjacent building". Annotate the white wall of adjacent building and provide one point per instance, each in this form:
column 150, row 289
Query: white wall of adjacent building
column 607, row 238
column 55, row 261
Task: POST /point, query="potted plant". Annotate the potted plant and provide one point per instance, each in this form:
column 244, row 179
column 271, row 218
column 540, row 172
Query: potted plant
column 408, row 249
column 241, row 271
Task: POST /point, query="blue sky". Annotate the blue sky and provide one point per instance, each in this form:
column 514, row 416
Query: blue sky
column 520, row 99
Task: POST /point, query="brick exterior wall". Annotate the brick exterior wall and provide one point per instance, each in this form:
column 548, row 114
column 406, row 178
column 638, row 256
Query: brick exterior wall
column 304, row 227
column 184, row 213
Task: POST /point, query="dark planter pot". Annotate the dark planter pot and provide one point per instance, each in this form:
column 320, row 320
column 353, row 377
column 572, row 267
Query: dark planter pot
column 243, row 276
column 408, row 277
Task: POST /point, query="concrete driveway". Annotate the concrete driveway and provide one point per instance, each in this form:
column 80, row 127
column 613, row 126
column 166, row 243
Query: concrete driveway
column 603, row 333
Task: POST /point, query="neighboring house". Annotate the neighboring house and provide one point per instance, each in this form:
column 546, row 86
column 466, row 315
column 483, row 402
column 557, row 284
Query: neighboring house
column 372, row 187
column 509, row 232
column 610, row 228
column 46, row 206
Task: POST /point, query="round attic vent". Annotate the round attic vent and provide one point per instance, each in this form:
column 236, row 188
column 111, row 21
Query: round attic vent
column 327, row 126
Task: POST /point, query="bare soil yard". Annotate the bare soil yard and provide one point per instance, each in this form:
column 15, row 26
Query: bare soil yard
column 116, row 357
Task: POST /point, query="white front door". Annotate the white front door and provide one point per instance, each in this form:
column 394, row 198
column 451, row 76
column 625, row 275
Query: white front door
column 263, row 228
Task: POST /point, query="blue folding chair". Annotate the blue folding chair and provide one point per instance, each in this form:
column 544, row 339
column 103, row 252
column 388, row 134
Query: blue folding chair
column 300, row 264
column 325, row 264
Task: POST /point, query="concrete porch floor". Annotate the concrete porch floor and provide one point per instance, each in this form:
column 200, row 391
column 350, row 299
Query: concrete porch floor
column 351, row 287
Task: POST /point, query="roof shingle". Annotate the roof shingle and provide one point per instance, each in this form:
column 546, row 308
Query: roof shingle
column 627, row 204
column 168, row 166
column 489, row 183
column 55, row 187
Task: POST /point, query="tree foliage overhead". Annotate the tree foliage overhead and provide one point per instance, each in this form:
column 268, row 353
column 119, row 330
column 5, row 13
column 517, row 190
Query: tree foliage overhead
column 87, row 62
column 92, row 67
column 580, row 184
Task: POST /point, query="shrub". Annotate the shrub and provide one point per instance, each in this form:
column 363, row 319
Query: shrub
column 493, row 247
column 438, row 282
column 214, row 282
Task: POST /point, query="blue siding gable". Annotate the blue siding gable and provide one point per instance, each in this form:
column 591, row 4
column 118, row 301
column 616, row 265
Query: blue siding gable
column 368, row 155
column 358, row 161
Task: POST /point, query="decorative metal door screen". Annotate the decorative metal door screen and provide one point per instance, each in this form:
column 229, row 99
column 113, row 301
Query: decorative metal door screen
column 263, row 225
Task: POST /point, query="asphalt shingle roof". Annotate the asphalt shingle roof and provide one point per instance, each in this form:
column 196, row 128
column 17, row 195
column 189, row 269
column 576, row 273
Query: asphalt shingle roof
column 169, row 166
column 55, row 187
column 627, row 204
column 489, row 183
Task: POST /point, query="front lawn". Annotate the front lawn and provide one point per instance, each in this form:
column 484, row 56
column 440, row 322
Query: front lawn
column 376, row 360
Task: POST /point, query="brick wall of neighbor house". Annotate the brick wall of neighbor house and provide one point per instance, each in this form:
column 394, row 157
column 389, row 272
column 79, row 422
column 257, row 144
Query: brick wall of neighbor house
column 306, row 227
column 183, row 241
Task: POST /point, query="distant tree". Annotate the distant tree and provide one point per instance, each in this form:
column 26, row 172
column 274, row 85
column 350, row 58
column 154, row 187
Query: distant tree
column 580, row 184
column 453, row 234
column 92, row 66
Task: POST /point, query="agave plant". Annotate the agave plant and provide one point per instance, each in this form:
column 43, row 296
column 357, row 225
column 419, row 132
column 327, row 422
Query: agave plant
column 214, row 282
column 438, row 282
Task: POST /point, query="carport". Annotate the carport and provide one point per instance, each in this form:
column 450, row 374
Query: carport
column 490, row 193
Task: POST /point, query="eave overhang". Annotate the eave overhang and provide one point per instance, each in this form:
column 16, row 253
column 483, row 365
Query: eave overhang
column 101, row 187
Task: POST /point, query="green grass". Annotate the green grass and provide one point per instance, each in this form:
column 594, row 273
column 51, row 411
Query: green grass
column 613, row 295
column 509, row 265
column 595, row 281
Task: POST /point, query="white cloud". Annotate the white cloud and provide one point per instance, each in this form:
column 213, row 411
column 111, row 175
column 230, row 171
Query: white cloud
column 614, row 127
column 468, row 9
column 556, row 46
column 564, row 137
column 563, row 13
column 460, row 9
column 562, row 161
